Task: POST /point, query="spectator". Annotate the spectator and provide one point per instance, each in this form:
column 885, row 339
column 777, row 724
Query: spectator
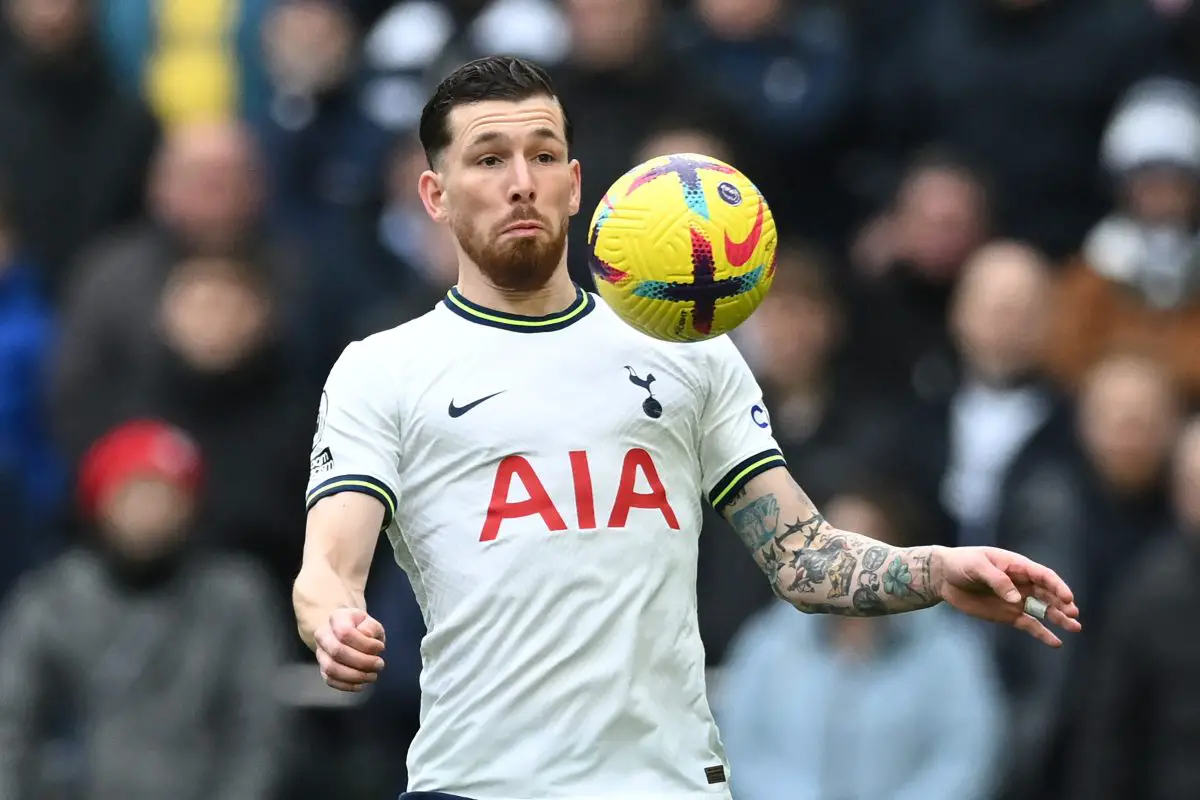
column 73, row 148
column 786, row 72
column 322, row 150
column 216, row 366
column 958, row 447
column 859, row 682
column 1137, row 283
column 826, row 432
column 1138, row 734
column 140, row 652
column 191, row 62
column 617, row 83
column 1023, row 88
column 406, row 260
column 413, row 41
column 903, row 271
column 684, row 136
column 31, row 473
column 1083, row 499
column 206, row 202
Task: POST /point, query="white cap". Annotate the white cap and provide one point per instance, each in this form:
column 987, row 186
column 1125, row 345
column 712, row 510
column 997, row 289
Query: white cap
column 1158, row 122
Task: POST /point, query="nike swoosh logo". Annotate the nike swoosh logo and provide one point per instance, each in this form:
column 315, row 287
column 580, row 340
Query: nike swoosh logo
column 458, row 411
column 738, row 253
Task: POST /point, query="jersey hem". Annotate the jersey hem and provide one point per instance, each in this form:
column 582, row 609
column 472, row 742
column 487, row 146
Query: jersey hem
column 742, row 473
column 363, row 484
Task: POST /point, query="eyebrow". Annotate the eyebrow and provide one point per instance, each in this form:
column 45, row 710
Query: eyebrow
column 494, row 136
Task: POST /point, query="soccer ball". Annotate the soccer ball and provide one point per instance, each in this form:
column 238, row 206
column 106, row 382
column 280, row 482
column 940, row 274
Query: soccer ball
column 683, row 247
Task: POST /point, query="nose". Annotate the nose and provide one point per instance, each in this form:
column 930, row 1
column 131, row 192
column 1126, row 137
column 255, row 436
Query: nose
column 522, row 189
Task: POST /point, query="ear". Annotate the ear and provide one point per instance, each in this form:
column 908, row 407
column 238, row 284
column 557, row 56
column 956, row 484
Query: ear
column 433, row 195
column 576, row 188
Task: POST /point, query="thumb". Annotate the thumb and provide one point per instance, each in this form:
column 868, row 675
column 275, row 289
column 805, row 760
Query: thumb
column 997, row 580
column 369, row 626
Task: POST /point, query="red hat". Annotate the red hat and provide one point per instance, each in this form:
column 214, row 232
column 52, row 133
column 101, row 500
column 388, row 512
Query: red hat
column 142, row 448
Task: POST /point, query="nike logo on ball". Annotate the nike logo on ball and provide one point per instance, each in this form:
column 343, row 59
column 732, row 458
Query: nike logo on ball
column 458, row 411
column 739, row 253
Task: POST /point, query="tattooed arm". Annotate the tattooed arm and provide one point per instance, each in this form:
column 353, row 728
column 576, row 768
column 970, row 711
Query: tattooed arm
column 820, row 569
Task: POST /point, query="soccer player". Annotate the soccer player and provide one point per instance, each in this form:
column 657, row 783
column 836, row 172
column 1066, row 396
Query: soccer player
column 539, row 469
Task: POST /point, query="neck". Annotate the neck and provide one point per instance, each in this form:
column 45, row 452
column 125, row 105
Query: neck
column 555, row 295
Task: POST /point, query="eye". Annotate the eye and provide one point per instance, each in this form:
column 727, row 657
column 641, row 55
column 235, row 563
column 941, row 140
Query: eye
column 546, row 158
column 489, row 161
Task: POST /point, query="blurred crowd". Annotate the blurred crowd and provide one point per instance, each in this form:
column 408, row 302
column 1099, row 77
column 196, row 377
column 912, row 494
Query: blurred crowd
column 985, row 329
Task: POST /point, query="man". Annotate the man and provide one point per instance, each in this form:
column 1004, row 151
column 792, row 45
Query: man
column 538, row 466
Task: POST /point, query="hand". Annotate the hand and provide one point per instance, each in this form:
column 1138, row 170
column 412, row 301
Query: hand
column 992, row 584
column 348, row 650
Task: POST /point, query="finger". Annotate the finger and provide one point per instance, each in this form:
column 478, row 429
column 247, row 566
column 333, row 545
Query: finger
column 357, row 640
column 1037, row 630
column 332, row 670
column 371, row 627
column 1062, row 616
column 343, row 687
column 347, row 655
column 1026, row 571
column 329, row 641
column 998, row 581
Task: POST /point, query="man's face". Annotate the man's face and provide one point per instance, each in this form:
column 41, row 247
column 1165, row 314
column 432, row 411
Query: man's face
column 48, row 26
column 506, row 188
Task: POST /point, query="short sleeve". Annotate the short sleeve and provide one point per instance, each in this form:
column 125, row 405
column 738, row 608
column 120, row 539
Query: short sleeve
column 356, row 447
column 736, row 442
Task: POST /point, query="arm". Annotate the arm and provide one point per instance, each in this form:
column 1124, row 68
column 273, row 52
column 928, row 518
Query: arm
column 338, row 548
column 351, row 498
column 23, row 688
column 818, row 568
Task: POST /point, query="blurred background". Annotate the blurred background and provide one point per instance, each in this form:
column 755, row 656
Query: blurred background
column 985, row 329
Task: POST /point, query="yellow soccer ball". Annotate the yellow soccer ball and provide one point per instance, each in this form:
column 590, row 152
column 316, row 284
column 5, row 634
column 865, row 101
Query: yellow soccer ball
column 683, row 247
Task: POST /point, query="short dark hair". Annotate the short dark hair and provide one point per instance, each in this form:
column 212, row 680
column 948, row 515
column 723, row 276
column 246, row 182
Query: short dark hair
column 489, row 78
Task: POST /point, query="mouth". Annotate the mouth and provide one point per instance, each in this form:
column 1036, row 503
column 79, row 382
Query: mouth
column 524, row 228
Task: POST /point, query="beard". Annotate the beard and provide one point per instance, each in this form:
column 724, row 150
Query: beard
column 518, row 264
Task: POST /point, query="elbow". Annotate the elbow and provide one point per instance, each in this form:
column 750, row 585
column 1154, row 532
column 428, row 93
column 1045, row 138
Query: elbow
column 797, row 601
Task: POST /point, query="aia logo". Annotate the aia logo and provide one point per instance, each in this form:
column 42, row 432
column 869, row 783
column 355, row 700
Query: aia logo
column 636, row 467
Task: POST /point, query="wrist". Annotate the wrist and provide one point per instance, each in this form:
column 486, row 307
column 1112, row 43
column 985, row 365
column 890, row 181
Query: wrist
column 937, row 570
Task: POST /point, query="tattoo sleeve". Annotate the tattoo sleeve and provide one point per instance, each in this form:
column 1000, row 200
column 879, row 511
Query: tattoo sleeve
column 818, row 568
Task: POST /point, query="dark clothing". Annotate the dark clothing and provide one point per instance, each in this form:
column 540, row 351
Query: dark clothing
column 1139, row 731
column 154, row 684
column 898, row 343
column 1025, row 94
column 612, row 113
column 74, row 152
column 254, row 425
column 1056, row 510
column 791, row 90
column 109, row 327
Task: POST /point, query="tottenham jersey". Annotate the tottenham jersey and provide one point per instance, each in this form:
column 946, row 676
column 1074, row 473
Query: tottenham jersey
column 543, row 480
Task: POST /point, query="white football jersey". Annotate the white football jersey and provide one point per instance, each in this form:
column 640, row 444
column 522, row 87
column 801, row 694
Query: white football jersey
column 543, row 480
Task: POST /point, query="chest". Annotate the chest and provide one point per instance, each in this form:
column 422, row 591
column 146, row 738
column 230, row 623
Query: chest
column 489, row 405
column 551, row 440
